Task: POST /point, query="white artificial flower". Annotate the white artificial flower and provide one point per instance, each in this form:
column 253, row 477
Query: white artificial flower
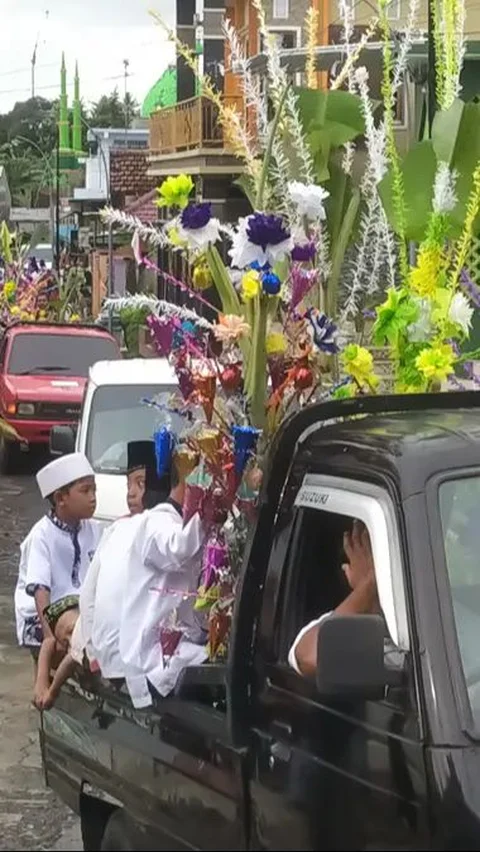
column 460, row 312
column 200, row 238
column 243, row 252
column 444, row 198
column 422, row 328
column 309, row 199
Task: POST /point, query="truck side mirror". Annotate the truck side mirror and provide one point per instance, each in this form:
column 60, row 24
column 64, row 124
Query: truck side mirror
column 62, row 440
column 350, row 657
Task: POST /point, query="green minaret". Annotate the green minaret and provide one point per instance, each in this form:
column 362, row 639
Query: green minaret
column 63, row 124
column 77, row 116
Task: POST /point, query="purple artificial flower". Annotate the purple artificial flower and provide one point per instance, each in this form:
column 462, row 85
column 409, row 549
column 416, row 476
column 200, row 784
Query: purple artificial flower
column 266, row 229
column 304, row 252
column 196, row 216
column 324, row 331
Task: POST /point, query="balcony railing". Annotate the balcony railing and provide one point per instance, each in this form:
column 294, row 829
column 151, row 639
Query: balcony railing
column 189, row 125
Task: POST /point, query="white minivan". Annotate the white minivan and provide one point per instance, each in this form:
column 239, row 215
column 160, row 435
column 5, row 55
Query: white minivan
column 114, row 413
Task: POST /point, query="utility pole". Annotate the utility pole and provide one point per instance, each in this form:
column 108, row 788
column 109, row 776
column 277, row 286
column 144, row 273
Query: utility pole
column 57, row 203
column 34, row 56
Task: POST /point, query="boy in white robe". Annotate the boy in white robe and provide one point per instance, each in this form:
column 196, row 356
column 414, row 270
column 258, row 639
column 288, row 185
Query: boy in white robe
column 102, row 592
column 55, row 555
column 161, row 579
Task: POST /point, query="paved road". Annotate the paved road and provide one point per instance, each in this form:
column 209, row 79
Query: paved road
column 31, row 817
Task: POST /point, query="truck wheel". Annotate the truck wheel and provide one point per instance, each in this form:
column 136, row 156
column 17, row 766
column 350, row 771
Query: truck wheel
column 9, row 456
column 116, row 835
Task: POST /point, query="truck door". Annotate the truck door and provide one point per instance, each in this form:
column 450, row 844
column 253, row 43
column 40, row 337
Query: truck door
column 328, row 776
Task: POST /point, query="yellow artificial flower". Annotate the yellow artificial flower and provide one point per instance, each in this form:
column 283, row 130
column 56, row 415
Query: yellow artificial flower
column 202, row 278
column 358, row 363
column 429, row 273
column 75, row 318
column 175, row 191
column 275, row 343
column 15, row 310
column 250, row 284
column 435, row 363
column 9, row 289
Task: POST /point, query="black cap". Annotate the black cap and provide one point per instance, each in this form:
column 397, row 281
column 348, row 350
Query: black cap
column 140, row 454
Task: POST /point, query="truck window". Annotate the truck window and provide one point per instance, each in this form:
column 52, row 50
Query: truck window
column 64, row 354
column 459, row 500
column 117, row 416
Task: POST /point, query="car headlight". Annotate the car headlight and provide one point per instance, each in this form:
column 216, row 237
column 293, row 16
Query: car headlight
column 26, row 409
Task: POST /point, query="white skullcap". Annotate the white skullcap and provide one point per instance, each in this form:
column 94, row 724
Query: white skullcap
column 63, row 471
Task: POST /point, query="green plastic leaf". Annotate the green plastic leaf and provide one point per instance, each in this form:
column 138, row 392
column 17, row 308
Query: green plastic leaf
column 394, row 317
column 338, row 113
column 419, row 168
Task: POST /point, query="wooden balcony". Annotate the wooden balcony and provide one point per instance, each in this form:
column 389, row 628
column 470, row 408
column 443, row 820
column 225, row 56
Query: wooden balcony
column 191, row 125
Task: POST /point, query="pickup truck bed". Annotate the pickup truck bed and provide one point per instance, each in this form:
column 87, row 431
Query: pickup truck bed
column 158, row 758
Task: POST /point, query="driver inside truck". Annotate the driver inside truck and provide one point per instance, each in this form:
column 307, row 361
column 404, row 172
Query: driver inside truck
column 362, row 599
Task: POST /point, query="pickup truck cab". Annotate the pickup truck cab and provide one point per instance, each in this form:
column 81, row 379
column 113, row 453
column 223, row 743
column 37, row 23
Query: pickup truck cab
column 112, row 415
column 381, row 751
column 43, row 371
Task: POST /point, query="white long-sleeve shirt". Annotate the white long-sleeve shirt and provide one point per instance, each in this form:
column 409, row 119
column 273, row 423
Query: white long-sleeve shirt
column 46, row 559
column 161, row 578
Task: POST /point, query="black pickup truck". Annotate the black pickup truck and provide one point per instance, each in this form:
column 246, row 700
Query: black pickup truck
column 382, row 750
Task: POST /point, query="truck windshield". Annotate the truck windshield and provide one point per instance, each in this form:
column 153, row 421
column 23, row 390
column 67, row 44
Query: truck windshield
column 66, row 354
column 459, row 507
column 117, row 416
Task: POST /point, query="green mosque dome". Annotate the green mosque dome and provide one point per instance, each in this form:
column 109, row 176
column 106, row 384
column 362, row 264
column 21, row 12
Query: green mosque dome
column 162, row 94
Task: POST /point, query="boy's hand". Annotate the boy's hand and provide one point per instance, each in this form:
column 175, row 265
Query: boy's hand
column 41, row 698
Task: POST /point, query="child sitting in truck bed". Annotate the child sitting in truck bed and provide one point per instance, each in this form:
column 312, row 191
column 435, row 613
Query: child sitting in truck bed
column 55, row 555
column 62, row 618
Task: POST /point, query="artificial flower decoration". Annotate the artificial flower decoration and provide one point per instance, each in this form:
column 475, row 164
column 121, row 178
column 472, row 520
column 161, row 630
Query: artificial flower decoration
column 271, row 284
column 460, row 313
column 394, row 317
column 435, row 363
column 230, row 328
column 304, row 252
column 9, row 290
column 175, row 191
column 276, row 342
column 250, row 284
column 324, row 332
column 358, row 363
column 301, row 281
column 202, row 277
column 308, row 199
column 430, row 271
column 260, row 239
column 197, row 226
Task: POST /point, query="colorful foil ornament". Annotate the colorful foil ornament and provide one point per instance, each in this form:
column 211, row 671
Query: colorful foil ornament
column 185, row 461
column 161, row 330
column 244, row 444
column 205, row 386
column 209, row 441
column 231, row 378
column 164, row 440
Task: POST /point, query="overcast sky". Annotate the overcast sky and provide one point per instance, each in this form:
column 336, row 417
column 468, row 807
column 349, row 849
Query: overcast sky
column 100, row 34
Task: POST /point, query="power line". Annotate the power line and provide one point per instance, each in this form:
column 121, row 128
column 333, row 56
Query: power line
column 70, row 85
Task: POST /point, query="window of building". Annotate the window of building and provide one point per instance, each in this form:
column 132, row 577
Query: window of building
column 394, row 10
column 281, row 8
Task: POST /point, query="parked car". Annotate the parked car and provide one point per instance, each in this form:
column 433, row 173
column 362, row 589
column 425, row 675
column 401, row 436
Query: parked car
column 111, row 416
column 43, row 371
column 382, row 750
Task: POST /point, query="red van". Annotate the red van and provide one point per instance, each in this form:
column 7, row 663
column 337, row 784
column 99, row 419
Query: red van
column 43, row 371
